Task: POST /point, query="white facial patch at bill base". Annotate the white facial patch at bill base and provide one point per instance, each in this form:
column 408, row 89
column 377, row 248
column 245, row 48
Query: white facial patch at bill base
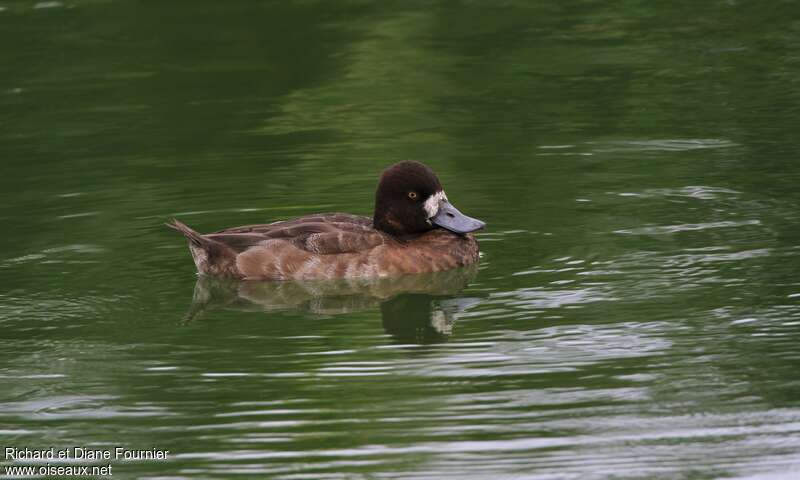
column 431, row 205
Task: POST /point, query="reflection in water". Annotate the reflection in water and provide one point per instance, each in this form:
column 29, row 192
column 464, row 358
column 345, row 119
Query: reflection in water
column 423, row 318
column 414, row 308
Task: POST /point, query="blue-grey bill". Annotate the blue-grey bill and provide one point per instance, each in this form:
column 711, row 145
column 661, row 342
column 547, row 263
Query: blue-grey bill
column 450, row 218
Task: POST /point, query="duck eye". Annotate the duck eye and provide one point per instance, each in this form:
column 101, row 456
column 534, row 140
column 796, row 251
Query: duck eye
column 412, row 195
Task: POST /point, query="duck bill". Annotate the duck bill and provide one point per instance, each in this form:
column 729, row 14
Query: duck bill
column 448, row 217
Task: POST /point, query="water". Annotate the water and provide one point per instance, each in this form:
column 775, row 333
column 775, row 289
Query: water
column 635, row 312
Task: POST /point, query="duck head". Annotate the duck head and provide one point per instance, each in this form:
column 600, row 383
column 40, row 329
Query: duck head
column 410, row 200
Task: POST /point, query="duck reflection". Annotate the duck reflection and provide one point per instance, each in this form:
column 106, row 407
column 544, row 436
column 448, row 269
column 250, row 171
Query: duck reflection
column 423, row 318
column 414, row 308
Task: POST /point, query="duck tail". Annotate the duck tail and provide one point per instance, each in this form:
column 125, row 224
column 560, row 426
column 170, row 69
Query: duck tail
column 210, row 256
column 197, row 239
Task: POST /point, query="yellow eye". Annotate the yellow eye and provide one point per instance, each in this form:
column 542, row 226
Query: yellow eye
column 412, row 195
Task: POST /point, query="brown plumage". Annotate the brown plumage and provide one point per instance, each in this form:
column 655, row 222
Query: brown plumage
column 402, row 238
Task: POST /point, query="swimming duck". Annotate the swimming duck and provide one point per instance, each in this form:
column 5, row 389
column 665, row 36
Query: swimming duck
column 414, row 229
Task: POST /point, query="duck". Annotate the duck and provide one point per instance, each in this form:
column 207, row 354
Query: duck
column 414, row 229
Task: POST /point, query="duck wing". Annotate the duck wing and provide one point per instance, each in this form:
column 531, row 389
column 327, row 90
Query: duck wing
column 340, row 240
column 324, row 234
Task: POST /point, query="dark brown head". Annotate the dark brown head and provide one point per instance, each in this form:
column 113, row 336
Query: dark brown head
column 410, row 200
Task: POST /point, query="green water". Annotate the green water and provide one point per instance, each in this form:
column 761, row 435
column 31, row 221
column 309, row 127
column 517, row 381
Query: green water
column 635, row 314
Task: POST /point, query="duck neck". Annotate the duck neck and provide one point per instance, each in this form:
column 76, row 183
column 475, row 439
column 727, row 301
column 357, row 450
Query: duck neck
column 387, row 223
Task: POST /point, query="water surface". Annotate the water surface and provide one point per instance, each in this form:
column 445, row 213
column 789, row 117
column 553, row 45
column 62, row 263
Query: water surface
column 636, row 309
